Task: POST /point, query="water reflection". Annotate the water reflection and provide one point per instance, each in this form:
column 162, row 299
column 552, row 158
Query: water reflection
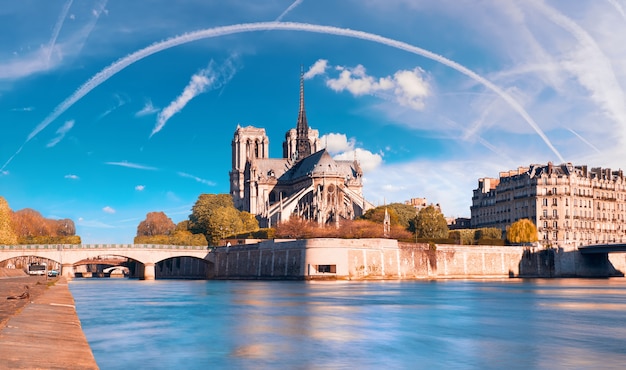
column 525, row 324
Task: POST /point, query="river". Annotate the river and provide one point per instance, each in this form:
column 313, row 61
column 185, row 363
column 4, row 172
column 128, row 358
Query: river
column 452, row 324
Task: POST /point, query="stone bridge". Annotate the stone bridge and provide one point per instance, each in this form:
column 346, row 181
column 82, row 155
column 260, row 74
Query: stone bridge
column 68, row 255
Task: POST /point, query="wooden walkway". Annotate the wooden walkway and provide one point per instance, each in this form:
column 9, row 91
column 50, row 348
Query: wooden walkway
column 46, row 334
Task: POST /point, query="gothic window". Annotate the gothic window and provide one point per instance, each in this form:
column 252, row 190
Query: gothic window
column 256, row 149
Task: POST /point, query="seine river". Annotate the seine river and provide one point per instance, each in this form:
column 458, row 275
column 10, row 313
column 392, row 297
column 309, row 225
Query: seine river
column 458, row 324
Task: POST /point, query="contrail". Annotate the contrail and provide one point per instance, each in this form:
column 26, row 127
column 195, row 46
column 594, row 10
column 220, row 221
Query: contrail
column 291, row 7
column 126, row 61
column 57, row 29
column 584, row 140
column 593, row 68
column 615, row 4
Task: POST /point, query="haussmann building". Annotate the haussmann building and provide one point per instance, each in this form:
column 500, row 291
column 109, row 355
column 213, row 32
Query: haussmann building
column 570, row 205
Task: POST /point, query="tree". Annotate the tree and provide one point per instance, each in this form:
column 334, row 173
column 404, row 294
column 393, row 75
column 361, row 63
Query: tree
column 215, row 216
column 295, row 228
column 378, row 215
column 64, row 227
column 29, row 223
column 405, row 212
column 7, row 234
column 156, row 223
column 488, row 233
column 430, row 223
column 249, row 222
column 522, row 231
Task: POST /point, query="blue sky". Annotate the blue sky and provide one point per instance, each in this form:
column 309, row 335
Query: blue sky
column 113, row 109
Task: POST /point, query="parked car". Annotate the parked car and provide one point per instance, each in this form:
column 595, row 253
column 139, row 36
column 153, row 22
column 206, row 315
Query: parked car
column 53, row 273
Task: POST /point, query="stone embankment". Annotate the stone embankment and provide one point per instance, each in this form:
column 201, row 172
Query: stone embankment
column 43, row 331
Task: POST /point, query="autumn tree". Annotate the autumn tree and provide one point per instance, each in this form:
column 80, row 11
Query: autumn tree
column 31, row 227
column 7, row 234
column 522, row 231
column 377, row 215
column 156, row 223
column 64, row 227
column 430, row 223
column 215, row 216
column 295, row 228
column 29, row 223
column 180, row 235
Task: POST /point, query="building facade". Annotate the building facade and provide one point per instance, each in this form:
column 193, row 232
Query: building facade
column 570, row 205
column 306, row 182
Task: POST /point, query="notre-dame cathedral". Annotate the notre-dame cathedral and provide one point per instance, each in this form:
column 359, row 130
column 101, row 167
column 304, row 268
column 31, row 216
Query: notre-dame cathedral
column 306, row 182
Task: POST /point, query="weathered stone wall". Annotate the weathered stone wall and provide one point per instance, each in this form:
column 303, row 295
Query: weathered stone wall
column 271, row 259
column 363, row 259
column 388, row 259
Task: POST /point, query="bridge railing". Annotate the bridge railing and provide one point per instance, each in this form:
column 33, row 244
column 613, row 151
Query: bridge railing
column 100, row 246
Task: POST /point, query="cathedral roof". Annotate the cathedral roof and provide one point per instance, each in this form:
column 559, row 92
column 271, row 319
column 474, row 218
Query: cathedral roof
column 319, row 164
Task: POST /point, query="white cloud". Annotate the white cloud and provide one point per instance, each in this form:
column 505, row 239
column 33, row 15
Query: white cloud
column 342, row 148
column 131, row 165
column 198, row 84
column 147, row 110
column 24, row 109
column 408, row 88
column 67, row 126
column 367, row 160
column 108, row 209
column 4, row 173
column 93, row 224
column 71, row 177
column 202, row 181
column 140, row 187
column 318, row 68
column 449, row 183
column 337, row 143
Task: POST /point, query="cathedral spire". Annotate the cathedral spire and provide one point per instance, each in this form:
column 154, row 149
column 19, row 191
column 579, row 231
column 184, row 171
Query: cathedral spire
column 303, row 145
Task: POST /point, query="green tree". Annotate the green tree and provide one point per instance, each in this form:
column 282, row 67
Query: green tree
column 430, row 223
column 488, row 233
column 215, row 216
column 377, row 215
column 249, row 222
column 522, row 231
column 405, row 212
column 7, row 234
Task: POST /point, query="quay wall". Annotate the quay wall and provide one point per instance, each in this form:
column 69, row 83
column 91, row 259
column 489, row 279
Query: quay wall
column 357, row 259
column 363, row 259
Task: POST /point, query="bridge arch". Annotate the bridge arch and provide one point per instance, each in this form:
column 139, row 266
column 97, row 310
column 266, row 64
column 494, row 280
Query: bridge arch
column 147, row 255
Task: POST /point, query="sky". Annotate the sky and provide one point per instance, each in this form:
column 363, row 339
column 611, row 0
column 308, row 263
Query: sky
column 113, row 109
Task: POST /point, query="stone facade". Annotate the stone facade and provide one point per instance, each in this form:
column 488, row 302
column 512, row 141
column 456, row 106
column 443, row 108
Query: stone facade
column 570, row 205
